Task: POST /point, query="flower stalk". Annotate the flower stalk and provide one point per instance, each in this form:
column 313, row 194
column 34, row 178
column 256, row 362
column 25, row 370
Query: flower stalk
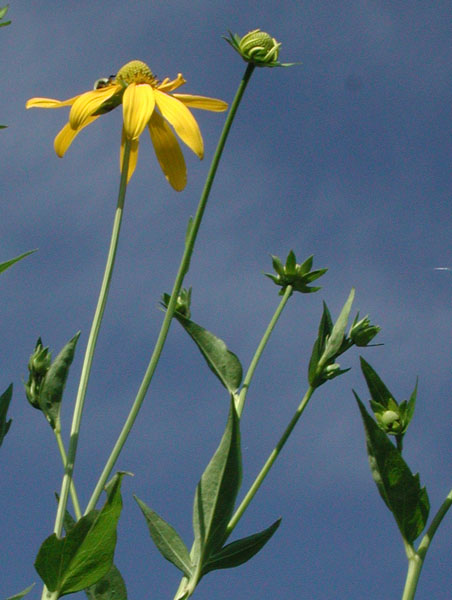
column 91, row 345
column 183, row 269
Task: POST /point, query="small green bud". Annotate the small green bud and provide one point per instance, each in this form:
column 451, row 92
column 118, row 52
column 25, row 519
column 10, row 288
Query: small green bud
column 258, row 48
column 294, row 274
column 389, row 417
column 183, row 302
column 38, row 366
column 362, row 332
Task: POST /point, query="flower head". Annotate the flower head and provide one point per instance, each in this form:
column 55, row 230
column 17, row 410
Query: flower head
column 146, row 102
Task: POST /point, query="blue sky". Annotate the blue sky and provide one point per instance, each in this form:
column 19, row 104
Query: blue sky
column 346, row 157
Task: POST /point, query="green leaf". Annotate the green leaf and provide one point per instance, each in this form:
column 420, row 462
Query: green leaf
column 9, row 263
column 325, row 328
column 377, row 389
column 399, row 488
column 110, row 587
column 22, row 593
column 52, row 387
column 336, row 338
column 85, row 554
column 5, row 399
column 240, row 551
column 167, row 540
column 221, row 361
column 216, row 493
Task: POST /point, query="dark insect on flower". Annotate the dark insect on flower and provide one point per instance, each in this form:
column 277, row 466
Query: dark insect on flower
column 103, row 82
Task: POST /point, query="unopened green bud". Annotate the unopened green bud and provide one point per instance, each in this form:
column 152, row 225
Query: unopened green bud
column 362, row 332
column 40, row 360
column 258, row 48
column 38, row 366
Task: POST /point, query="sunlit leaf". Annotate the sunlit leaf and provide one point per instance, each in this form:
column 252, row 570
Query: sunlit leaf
column 85, row 554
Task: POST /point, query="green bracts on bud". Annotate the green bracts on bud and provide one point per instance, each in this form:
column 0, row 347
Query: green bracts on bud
column 183, row 302
column 295, row 275
column 362, row 332
column 47, row 379
column 38, row 365
column 258, row 48
column 392, row 418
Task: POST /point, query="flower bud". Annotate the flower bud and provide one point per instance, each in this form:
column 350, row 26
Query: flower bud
column 362, row 332
column 259, row 47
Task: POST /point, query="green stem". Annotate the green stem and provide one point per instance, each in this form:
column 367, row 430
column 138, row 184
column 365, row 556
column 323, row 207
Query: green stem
column 91, row 345
column 183, row 269
column 75, row 502
column 260, row 349
column 416, row 559
column 269, row 462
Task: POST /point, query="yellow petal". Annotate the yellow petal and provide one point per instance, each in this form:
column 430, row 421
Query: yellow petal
column 169, row 86
column 49, row 102
column 202, row 102
column 168, row 152
column 64, row 138
column 182, row 120
column 133, row 157
column 88, row 103
column 138, row 104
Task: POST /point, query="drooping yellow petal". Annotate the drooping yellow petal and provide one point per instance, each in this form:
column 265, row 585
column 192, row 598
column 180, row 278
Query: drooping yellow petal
column 202, row 102
column 168, row 152
column 64, row 138
column 49, row 102
column 182, row 120
column 133, row 157
column 169, row 86
column 88, row 103
column 138, row 104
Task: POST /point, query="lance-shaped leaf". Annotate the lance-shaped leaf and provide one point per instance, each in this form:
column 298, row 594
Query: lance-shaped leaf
column 238, row 552
column 167, row 540
column 22, row 593
column 216, row 494
column 325, row 328
column 334, row 342
column 5, row 399
column 220, row 360
column 52, row 387
column 9, row 263
column 85, row 554
column 399, row 488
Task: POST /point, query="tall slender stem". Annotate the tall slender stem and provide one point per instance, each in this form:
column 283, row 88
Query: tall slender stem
column 269, row 462
column 74, row 497
column 91, row 345
column 257, row 355
column 183, row 269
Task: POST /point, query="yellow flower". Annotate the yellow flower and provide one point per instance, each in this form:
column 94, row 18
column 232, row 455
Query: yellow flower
column 145, row 102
